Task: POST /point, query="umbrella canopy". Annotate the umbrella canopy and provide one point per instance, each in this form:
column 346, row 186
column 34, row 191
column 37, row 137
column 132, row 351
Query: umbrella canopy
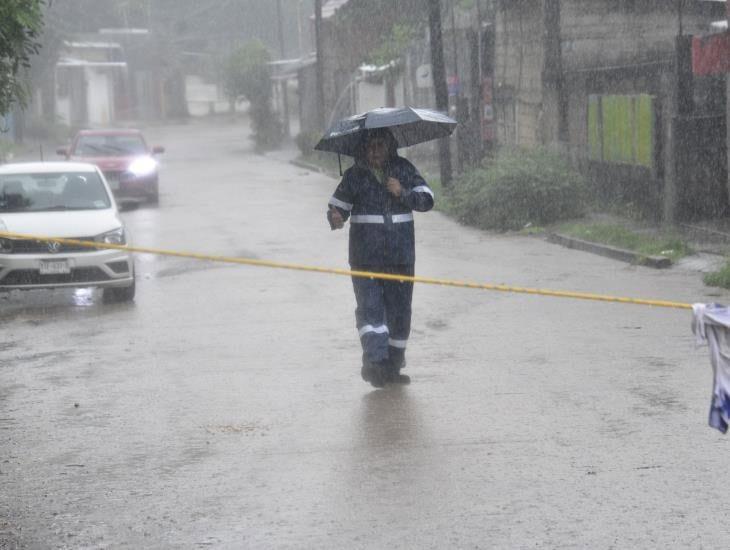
column 408, row 125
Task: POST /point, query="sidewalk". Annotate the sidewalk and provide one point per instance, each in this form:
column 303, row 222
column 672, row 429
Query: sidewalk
column 708, row 239
column 707, row 236
column 711, row 236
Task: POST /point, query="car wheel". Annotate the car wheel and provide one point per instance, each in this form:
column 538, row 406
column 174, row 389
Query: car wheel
column 154, row 196
column 119, row 294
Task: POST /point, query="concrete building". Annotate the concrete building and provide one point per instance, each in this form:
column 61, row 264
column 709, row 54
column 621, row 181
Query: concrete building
column 89, row 80
column 610, row 83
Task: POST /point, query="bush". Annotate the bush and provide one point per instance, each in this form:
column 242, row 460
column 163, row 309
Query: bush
column 247, row 73
column 720, row 278
column 517, row 188
column 267, row 129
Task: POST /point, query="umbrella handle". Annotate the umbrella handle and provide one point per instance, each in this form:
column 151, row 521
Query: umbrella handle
column 339, row 161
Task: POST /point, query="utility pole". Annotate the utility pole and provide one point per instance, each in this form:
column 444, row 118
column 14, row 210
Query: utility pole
column 439, row 83
column 727, row 86
column 284, row 86
column 552, row 75
column 320, row 71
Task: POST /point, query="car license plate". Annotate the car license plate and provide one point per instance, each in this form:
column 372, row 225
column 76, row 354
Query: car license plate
column 54, row 267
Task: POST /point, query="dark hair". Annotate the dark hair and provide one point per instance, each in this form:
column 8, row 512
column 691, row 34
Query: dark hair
column 383, row 133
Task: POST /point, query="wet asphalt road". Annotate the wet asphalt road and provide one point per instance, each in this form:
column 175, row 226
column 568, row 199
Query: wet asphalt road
column 224, row 409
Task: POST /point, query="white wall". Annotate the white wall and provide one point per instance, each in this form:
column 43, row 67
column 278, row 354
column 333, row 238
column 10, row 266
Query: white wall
column 100, row 98
column 203, row 97
column 63, row 110
column 372, row 96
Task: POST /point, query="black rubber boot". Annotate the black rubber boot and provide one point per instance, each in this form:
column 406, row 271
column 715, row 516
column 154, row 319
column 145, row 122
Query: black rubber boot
column 394, row 376
column 375, row 373
column 398, row 378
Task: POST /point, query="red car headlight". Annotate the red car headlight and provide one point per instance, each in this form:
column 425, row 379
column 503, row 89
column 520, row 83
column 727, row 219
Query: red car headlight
column 143, row 166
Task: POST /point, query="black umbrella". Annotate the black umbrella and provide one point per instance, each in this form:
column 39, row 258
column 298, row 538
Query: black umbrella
column 408, row 125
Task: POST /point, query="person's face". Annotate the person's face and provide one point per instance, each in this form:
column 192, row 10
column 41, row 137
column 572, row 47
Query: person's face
column 376, row 152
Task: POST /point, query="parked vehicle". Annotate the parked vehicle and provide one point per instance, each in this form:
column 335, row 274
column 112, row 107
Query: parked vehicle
column 128, row 163
column 62, row 200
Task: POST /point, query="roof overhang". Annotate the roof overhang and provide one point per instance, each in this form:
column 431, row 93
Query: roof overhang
column 283, row 69
column 91, row 45
column 71, row 62
column 125, row 31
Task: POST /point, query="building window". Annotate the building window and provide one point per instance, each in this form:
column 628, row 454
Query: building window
column 621, row 129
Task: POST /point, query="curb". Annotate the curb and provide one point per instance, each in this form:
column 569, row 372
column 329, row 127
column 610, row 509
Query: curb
column 657, row 262
column 311, row 167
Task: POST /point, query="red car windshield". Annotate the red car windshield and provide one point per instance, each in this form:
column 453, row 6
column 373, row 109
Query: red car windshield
column 109, row 146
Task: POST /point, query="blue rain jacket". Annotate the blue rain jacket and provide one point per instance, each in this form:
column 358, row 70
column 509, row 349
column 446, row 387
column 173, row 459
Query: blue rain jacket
column 381, row 225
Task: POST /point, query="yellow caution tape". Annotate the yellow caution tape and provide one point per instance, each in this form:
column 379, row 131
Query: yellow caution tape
column 350, row 273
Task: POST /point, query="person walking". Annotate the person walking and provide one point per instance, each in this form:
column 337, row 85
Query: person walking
column 378, row 195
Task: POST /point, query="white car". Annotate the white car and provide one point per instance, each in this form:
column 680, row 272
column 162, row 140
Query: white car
column 63, row 200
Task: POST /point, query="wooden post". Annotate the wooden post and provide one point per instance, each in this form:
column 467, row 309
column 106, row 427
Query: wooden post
column 320, row 68
column 284, row 87
column 669, row 153
column 439, row 83
column 553, row 80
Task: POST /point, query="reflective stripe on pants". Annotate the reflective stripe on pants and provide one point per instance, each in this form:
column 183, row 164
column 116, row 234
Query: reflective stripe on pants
column 383, row 305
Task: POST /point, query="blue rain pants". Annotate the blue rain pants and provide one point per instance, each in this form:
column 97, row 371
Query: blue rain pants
column 383, row 314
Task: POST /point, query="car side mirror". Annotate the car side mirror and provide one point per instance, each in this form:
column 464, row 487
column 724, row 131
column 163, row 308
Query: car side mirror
column 63, row 151
column 158, row 149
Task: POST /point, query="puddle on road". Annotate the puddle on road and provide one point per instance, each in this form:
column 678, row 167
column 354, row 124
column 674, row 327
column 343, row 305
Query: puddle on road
column 83, row 297
column 55, row 356
column 437, row 324
column 192, row 266
column 5, row 346
column 39, row 307
column 184, row 269
column 248, row 428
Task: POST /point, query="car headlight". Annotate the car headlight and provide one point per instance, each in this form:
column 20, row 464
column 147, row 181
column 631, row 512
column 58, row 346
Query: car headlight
column 143, row 166
column 116, row 236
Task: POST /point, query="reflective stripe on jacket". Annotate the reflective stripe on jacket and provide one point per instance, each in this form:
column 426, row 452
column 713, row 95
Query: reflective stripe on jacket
column 381, row 225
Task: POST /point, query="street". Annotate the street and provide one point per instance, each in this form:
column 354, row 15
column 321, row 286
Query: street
column 224, row 408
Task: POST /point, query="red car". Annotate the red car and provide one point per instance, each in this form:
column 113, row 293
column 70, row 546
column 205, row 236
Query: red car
column 128, row 163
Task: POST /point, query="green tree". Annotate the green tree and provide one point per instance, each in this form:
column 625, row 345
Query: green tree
column 21, row 22
column 394, row 44
column 247, row 74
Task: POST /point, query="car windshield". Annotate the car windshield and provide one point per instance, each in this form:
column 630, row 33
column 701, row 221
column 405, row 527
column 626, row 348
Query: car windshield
column 47, row 192
column 109, row 146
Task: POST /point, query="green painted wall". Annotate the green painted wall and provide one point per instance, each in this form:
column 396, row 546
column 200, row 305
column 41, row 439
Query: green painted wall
column 621, row 129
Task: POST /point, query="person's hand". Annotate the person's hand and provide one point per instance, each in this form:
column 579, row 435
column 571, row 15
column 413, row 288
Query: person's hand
column 394, row 187
column 336, row 219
